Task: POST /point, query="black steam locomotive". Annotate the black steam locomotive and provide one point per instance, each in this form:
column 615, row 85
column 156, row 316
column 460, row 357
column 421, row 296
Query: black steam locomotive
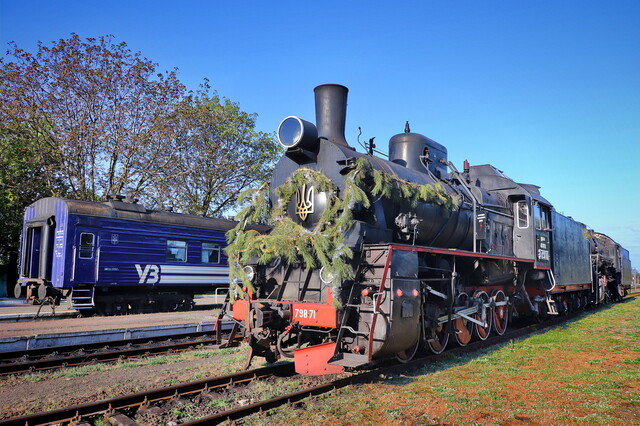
column 371, row 258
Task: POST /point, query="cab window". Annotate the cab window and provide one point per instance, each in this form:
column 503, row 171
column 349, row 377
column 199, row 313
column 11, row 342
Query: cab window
column 522, row 213
column 541, row 216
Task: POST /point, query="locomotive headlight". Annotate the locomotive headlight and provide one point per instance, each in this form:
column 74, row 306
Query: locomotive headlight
column 326, row 276
column 250, row 271
column 294, row 131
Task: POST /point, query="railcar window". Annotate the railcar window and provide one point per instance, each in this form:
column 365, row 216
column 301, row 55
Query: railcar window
column 87, row 241
column 176, row 251
column 210, row 253
column 523, row 214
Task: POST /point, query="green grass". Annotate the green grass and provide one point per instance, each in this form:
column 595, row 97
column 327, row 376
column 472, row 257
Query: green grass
column 101, row 421
column 584, row 371
column 219, row 403
column 80, row 371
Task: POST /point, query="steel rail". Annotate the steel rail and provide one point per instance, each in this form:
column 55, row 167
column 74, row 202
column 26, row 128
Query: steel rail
column 39, row 352
column 100, row 356
column 76, row 412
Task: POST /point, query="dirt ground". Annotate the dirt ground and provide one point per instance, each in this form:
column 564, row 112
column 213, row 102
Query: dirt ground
column 38, row 392
column 587, row 371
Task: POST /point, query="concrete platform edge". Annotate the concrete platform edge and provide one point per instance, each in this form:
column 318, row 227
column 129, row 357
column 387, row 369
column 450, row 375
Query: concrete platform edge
column 15, row 344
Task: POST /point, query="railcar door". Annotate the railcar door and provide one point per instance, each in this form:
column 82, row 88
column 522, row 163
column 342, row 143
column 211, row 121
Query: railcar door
column 37, row 249
column 541, row 217
column 31, row 252
column 85, row 256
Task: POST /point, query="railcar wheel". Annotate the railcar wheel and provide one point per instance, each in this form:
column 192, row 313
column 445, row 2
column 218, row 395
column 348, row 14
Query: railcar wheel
column 119, row 307
column 439, row 340
column 186, row 303
column 484, row 313
column 500, row 312
column 171, row 304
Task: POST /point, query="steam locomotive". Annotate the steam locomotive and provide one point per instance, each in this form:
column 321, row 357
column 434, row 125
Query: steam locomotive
column 371, row 258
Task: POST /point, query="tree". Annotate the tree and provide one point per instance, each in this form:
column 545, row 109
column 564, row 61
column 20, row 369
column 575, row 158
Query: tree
column 101, row 109
column 89, row 118
column 23, row 179
column 223, row 153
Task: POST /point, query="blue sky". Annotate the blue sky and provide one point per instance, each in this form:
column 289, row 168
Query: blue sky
column 547, row 91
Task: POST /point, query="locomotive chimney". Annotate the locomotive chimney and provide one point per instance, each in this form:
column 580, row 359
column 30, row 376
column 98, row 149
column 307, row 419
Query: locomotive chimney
column 331, row 112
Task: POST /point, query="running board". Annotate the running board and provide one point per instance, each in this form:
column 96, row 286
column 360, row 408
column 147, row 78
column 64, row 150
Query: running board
column 350, row 360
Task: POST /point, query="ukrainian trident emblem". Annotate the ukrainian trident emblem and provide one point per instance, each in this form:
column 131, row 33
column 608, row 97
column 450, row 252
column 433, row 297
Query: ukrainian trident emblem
column 304, row 201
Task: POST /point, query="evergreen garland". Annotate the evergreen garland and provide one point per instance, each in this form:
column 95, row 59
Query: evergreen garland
column 322, row 246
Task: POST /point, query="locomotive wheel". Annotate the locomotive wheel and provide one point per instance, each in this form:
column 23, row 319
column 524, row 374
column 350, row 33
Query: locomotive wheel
column 500, row 313
column 440, row 340
column 408, row 354
column 543, row 312
column 286, row 344
column 464, row 331
column 487, row 312
column 463, row 327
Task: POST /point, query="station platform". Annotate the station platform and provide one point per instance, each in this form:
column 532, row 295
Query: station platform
column 18, row 318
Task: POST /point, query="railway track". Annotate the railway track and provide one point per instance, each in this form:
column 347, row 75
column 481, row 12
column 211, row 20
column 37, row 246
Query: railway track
column 121, row 410
column 105, row 354
column 114, row 407
column 32, row 360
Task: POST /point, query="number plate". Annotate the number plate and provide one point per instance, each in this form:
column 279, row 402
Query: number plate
column 316, row 314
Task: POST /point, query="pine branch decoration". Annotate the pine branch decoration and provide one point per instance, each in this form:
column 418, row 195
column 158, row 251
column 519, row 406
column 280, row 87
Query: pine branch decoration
column 322, row 246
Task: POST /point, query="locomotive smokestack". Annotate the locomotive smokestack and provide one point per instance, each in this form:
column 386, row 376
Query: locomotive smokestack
column 331, row 112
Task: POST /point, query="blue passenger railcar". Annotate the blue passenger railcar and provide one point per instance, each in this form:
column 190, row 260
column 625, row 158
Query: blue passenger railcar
column 117, row 256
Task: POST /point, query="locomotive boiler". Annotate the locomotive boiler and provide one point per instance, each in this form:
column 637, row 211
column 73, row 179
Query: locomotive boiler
column 370, row 258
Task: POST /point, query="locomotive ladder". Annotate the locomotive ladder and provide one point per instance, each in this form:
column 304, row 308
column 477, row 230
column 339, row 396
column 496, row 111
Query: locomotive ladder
column 348, row 359
column 551, row 304
column 224, row 312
